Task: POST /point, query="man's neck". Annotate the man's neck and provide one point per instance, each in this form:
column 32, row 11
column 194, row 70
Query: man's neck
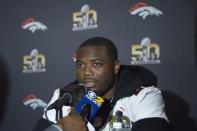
column 110, row 93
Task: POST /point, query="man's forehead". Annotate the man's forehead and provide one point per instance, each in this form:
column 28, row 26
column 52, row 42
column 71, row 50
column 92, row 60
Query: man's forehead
column 92, row 52
column 87, row 47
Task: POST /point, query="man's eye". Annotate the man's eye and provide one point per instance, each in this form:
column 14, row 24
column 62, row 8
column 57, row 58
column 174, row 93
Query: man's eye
column 98, row 64
column 80, row 65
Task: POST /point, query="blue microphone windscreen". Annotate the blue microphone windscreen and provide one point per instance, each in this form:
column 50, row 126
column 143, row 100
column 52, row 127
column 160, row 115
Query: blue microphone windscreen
column 92, row 99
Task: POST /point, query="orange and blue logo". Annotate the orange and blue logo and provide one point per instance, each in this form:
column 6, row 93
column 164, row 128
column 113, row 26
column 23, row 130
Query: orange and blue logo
column 144, row 10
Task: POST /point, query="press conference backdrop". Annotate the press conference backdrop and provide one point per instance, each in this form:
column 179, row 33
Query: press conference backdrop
column 38, row 39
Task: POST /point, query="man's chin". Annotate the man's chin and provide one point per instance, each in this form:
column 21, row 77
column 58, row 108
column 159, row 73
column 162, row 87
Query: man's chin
column 99, row 93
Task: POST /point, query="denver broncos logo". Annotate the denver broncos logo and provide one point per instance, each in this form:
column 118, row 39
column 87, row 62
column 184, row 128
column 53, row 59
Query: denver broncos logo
column 33, row 25
column 34, row 102
column 143, row 10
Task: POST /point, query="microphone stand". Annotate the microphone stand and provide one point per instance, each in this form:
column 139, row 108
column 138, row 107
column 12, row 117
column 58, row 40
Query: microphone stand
column 58, row 110
column 58, row 114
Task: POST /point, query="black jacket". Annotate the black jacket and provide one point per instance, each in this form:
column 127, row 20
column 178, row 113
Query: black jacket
column 130, row 79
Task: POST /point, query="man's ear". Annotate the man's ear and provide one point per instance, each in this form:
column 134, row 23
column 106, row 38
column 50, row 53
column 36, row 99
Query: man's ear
column 117, row 67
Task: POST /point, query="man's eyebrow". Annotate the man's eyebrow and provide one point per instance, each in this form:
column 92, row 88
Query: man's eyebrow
column 93, row 59
column 90, row 60
column 77, row 61
column 96, row 60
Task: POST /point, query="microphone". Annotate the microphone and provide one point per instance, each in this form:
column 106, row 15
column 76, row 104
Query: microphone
column 85, row 112
column 118, row 116
column 89, row 105
column 66, row 100
column 69, row 95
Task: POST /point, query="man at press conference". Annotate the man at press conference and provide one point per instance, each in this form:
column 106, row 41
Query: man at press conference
column 129, row 90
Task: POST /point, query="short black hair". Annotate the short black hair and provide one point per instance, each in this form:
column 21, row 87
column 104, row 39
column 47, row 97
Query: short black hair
column 101, row 41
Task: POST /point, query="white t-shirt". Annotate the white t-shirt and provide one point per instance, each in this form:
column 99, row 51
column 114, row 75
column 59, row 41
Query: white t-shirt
column 147, row 103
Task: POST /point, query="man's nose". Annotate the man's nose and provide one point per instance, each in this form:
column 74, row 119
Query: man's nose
column 88, row 71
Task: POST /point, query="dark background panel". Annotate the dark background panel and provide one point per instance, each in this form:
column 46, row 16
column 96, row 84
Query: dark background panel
column 174, row 31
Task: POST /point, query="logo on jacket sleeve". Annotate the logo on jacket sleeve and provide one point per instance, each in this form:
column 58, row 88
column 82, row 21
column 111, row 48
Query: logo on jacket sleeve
column 145, row 53
column 84, row 19
column 143, row 10
column 33, row 25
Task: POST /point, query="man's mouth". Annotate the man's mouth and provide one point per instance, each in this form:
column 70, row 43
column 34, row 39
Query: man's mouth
column 89, row 84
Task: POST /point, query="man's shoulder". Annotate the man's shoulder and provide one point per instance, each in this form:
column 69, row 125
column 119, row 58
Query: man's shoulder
column 132, row 78
column 144, row 75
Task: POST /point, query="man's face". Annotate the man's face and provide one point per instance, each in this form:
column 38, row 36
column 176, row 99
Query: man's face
column 96, row 69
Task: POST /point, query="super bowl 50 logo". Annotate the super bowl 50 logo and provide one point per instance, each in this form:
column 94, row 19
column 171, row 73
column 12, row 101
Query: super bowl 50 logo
column 34, row 62
column 84, row 19
column 145, row 53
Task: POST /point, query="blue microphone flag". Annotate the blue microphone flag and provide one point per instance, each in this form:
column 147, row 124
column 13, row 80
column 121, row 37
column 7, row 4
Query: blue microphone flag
column 91, row 99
